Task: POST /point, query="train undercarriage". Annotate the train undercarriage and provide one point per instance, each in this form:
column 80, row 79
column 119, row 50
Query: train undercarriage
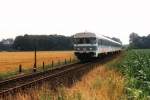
column 84, row 56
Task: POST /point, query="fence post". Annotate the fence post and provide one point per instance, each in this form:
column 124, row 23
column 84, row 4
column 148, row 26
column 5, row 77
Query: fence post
column 65, row 61
column 59, row 62
column 70, row 59
column 43, row 65
column 52, row 63
column 35, row 60
column 20, row 68
column 34, row 68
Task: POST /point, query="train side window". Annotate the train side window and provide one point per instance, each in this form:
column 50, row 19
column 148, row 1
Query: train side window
column 105, row 42
column 93, row 40
column 99, row 42
column 108, row 43
column 102, row 42
column 113, row 45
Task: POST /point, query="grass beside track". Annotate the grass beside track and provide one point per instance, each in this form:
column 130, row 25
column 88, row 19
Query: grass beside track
column 101, row 83
column 125, row 77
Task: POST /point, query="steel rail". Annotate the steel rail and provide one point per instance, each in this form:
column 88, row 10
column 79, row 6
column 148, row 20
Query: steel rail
column 10, row 85
column 14, row 84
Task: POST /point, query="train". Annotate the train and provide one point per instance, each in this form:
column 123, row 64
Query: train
column 88, row 45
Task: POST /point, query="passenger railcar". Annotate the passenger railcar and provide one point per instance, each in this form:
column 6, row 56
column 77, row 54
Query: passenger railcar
column 89, row 45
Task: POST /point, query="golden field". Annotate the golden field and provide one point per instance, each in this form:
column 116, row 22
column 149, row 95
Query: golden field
column 9, row 61
column 101, row 83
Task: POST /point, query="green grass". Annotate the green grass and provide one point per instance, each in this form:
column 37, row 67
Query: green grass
column 8, row 74
column 136, row 68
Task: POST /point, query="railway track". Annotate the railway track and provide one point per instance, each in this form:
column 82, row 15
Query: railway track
column 26, row 81
column 16, row 83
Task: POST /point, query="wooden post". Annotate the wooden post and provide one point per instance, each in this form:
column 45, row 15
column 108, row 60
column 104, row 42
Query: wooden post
column 59, row 62
column 52, row 63
column 20, row 68
column 65, row 61
column 43, row 65
column 34, row 68
column 70, row 59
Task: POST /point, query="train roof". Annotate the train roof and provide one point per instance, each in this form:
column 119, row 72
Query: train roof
column 84, row 34
column 90, row 34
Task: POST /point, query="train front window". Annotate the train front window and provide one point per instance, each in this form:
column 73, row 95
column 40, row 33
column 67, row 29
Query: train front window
column 93, row 40
column 85, row 40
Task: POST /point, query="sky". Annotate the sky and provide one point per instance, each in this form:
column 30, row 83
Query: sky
column 114, row 18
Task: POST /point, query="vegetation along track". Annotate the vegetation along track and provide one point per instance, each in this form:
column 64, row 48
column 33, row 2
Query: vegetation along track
column 27, row 81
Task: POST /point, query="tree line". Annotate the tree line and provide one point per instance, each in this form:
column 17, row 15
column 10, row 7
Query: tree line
column 139, row 42
column 42, row 42
column 60, row 42
column 6, row 45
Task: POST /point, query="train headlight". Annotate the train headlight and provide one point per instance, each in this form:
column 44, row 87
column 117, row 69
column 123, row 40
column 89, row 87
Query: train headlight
column 90, row 48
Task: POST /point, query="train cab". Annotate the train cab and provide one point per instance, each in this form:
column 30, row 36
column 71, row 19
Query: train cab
column 85, row 45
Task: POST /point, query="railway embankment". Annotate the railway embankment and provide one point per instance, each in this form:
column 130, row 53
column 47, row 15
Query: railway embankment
column 94, row 81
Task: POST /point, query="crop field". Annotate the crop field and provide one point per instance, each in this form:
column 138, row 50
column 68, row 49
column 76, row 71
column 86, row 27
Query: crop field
column 126, row 77
column 136, row 68
column 101, row 83
column 9, row 61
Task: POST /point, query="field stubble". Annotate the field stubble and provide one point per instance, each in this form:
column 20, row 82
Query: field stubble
column 9, row 61
column 101, row 83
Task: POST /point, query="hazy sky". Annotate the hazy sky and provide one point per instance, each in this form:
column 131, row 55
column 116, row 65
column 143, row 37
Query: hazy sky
column 116, row 18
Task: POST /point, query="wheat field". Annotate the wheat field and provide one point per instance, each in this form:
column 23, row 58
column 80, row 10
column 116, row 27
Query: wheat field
column 101, row 83
column 9, row 61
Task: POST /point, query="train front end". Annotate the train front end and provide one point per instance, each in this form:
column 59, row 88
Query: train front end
column 85, row 45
